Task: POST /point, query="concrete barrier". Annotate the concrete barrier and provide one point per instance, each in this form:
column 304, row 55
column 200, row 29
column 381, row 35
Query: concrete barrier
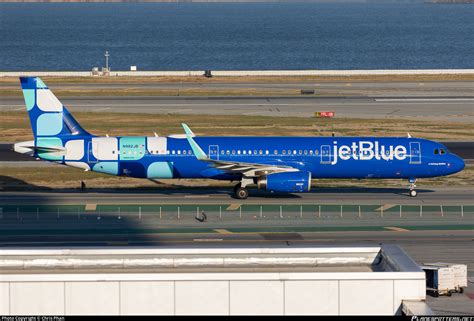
column 243, row 73
column 416, row 307
column 342, row 72
column 46, row 74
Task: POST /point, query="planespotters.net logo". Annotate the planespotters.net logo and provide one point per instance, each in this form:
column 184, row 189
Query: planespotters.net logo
column 416, row 318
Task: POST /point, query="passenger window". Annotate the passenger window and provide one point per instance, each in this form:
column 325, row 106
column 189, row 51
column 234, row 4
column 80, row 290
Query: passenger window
column 275, row 152
column 222, row 152
column 266, row 152
column 184, row 152
column 238, row 152
column 284, row 152
column 305, row 152
column 245, row 152
column 442, row 152
column 311, row 152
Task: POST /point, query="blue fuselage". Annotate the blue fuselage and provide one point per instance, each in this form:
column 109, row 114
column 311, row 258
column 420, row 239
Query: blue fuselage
column 324, row 157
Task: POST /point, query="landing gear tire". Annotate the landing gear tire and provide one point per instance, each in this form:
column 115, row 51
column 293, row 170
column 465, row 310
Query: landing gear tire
column 413, row 192
column 240, row 192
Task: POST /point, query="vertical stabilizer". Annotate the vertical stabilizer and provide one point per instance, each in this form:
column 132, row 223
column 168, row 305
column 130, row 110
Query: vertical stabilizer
column 48, row 116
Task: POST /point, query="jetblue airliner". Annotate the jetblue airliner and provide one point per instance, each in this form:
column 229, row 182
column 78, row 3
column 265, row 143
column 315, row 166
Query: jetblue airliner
column 279, row 164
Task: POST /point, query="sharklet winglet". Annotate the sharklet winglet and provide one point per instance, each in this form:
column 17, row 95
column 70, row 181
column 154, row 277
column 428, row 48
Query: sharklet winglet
column 194, row 146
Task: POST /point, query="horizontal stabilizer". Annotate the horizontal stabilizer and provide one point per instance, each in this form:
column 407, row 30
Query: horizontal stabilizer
column 44, row 149
column 29, row 148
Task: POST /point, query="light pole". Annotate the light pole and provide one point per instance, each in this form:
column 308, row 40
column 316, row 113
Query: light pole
column 106, row 60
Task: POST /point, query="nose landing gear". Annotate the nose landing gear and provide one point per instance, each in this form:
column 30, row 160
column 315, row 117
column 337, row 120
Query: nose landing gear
column 413, row 191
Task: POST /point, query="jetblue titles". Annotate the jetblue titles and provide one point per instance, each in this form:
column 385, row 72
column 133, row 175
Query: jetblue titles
column 365, row 150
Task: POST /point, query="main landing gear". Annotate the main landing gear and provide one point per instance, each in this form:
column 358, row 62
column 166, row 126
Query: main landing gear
column 413, row 191
column 240, row 190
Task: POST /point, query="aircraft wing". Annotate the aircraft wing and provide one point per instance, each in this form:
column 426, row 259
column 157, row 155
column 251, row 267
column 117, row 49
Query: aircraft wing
column 246, row 169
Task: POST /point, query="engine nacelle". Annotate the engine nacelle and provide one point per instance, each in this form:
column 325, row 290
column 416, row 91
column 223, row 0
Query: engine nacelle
column 287, row 182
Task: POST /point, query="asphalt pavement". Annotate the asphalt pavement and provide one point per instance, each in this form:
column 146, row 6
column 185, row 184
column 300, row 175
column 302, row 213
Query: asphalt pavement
column 349, row 195
column 452, row 109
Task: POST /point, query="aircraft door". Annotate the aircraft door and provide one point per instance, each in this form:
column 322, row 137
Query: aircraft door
column 325, row 154
column 214, row 152
column 91, row 150
column 415, row 153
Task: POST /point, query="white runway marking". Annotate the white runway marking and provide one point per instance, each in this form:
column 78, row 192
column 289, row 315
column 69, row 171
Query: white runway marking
column 255, row 112
column 423, row 99
column 197, row 196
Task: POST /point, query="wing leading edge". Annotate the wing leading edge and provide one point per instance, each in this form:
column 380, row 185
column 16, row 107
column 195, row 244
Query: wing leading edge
column 246, row 169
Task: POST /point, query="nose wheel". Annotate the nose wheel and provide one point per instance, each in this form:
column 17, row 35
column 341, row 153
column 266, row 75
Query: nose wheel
column 240, row 192
column 413, row 191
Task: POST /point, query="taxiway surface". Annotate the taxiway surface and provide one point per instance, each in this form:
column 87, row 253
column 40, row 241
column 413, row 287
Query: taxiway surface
column 456, row 108
column 426, row 196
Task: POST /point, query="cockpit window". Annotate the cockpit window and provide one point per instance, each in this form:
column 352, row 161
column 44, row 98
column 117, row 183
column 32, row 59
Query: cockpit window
column 436, row 151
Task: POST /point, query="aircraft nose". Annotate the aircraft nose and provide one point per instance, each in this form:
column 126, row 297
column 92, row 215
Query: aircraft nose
column 457, row 164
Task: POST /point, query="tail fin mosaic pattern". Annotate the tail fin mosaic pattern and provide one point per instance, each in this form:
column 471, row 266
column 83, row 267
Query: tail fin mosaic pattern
column 48, row 116
column 50, row 121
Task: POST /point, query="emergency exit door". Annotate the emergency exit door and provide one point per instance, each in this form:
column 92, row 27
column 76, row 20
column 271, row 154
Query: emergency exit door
column 325, row 154
column 214, row 152
column 415, row 153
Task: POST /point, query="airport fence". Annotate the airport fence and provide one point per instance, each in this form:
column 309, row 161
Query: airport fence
column 217, row 212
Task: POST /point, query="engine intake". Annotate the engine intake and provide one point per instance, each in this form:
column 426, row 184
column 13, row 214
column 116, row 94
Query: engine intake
column 287, row 182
